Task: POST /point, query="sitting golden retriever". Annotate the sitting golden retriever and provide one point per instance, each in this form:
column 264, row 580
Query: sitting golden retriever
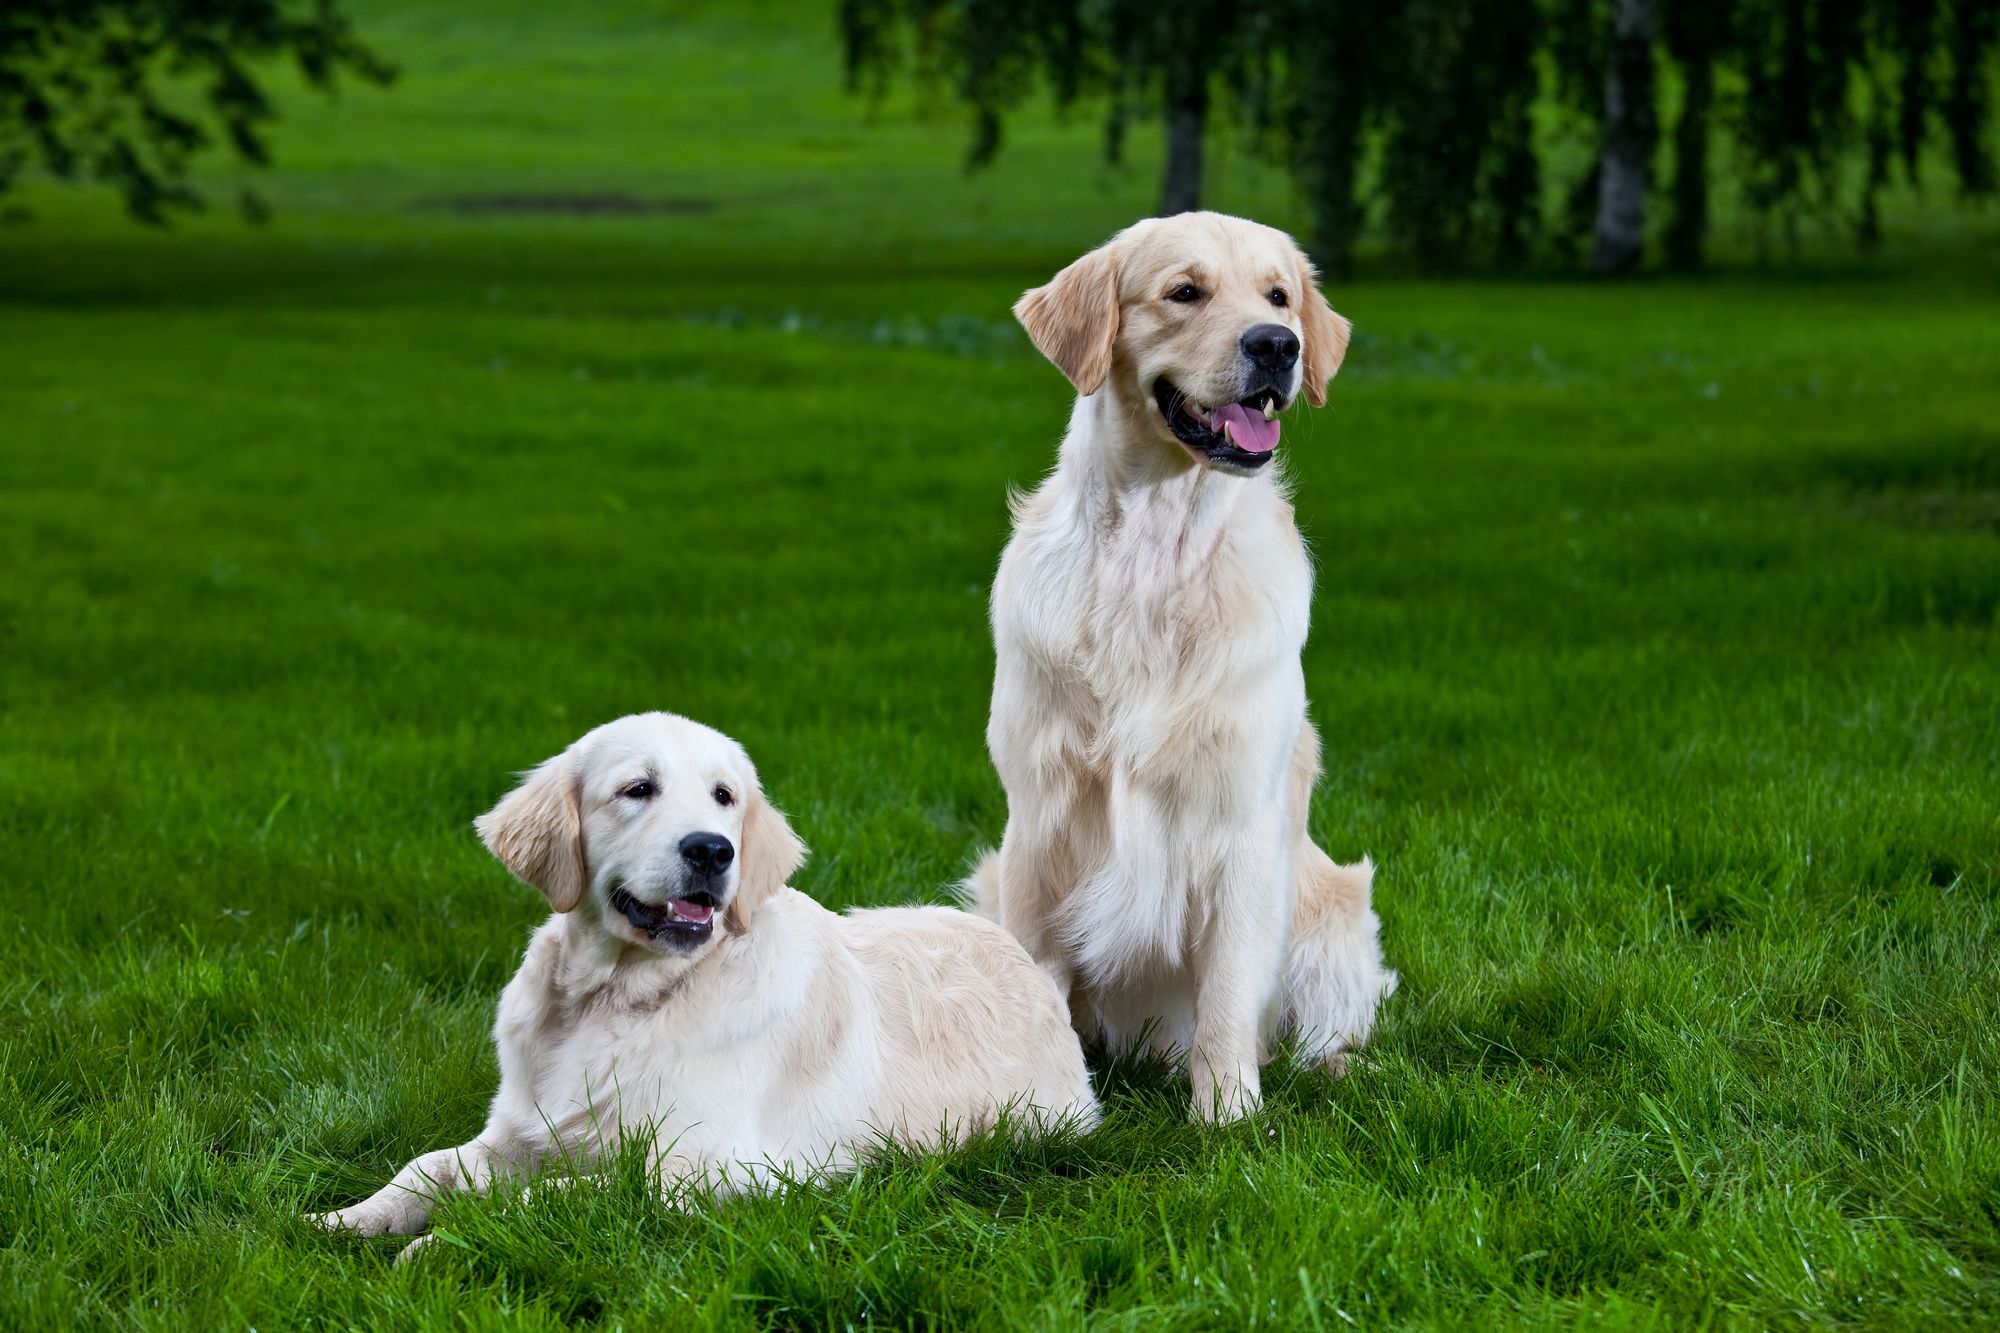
column 683, row 992
column 1149, row 709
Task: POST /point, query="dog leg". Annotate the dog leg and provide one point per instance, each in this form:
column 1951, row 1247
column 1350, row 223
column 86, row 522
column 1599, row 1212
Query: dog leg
column 1334, row 977
column 1236, row 964
column 979, row 892
column 403, row 1206
column 1028, row 880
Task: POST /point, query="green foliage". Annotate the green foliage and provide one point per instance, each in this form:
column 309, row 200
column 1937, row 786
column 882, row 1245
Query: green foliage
column 103, row 88
column 994, row 55
column 1805, row 90
column 1431, row 101
column 1819, row 99
column 1418, row 118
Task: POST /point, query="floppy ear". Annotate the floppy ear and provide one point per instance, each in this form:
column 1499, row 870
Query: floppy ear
column 770, row 852
column 1325, row 337
column 1073, row 321
column 537, row 832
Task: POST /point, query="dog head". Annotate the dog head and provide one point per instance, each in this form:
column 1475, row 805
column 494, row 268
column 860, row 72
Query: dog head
column 1205, row 326
column 653, row 824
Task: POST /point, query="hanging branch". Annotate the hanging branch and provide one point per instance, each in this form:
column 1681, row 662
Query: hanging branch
column 98, row 89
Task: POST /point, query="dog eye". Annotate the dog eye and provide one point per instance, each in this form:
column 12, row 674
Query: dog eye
column 1185, row 294
column 1278, row 297
column 642, row 790
column 723, row 796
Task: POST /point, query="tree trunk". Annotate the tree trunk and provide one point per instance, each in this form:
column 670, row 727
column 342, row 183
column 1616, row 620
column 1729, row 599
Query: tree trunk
column 1631, row 128
column 1187, row 123
column 1687, row 229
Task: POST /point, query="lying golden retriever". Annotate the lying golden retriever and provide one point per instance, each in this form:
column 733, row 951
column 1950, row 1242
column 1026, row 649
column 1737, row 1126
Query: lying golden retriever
column 683, row 992
column 1149, row 709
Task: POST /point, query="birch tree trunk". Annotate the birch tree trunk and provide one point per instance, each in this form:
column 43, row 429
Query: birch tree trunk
column 1631, row 128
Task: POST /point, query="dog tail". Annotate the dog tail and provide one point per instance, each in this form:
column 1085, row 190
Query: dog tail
column 979, row 892
column 1335, row 976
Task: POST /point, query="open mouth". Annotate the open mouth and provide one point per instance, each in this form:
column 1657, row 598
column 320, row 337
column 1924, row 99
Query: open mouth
column 686, row 919
column 1242, row 434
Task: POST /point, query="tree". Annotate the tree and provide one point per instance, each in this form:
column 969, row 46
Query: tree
column 1163, row 57
column 1835, row 95
column 1438, row 93
column 1424, row 104
column 1631, row 130
column 1428, row 119
column 1695, row 33
column 126, row 92
column 1184, row 89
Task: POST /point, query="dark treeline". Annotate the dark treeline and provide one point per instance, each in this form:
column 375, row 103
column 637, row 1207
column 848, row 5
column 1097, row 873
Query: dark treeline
column 81, row 86
column 1433, row 120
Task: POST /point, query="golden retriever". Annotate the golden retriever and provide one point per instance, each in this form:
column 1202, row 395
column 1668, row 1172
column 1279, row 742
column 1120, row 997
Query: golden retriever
column 1149, row 708
column 681, row 991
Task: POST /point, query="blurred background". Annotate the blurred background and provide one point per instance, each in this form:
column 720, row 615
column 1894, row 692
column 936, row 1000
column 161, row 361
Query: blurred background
column 1598, row 135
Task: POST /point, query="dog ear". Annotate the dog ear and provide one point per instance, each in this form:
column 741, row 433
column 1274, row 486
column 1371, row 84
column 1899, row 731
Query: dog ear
column 1325, row 336
column 1073, row 321
column 537, row 833
column 769, row 853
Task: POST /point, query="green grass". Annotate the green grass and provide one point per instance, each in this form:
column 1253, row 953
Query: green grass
column 1655, row 650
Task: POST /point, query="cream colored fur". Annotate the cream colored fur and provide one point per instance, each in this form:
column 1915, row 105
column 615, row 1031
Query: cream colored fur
column 790, row 1040
column 1149, row 708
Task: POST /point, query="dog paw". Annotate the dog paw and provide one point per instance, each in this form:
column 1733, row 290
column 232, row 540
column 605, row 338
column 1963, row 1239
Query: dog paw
column 1225, row 1103
column 1223, row 1115
column 547, row 1188
column 414, row 1250
column 356, row 1220
column 1348, row 1060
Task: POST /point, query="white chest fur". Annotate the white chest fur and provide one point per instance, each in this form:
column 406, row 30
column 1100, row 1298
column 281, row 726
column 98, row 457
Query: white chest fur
column 1148, row 697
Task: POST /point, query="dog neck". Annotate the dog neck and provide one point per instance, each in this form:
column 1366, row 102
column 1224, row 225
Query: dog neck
column 1128, row 479
column 596, row 965
column 771, row 961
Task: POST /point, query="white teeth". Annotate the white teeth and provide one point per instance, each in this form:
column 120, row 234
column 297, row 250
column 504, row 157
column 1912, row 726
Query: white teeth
column 1270, row 409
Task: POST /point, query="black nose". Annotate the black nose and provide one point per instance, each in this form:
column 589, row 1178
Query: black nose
column 707, row 853
column 1272, row 347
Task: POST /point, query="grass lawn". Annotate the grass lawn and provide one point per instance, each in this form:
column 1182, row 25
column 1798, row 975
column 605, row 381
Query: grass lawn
column 1656, row 648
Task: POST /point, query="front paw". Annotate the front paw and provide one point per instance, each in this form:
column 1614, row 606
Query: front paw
column 1225, row 1101
column 337, row 1220
column 1221, row 1112
column 551, row 1186
column 360, row 1219
column 415, row 1249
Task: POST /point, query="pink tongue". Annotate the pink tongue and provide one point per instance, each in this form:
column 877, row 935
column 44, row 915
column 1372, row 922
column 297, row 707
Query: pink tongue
column 1248, row 430
column 685, row 910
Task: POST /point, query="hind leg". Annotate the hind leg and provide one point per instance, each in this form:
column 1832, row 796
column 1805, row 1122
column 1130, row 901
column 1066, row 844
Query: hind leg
column 1013, row 887
column 1334, row 975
